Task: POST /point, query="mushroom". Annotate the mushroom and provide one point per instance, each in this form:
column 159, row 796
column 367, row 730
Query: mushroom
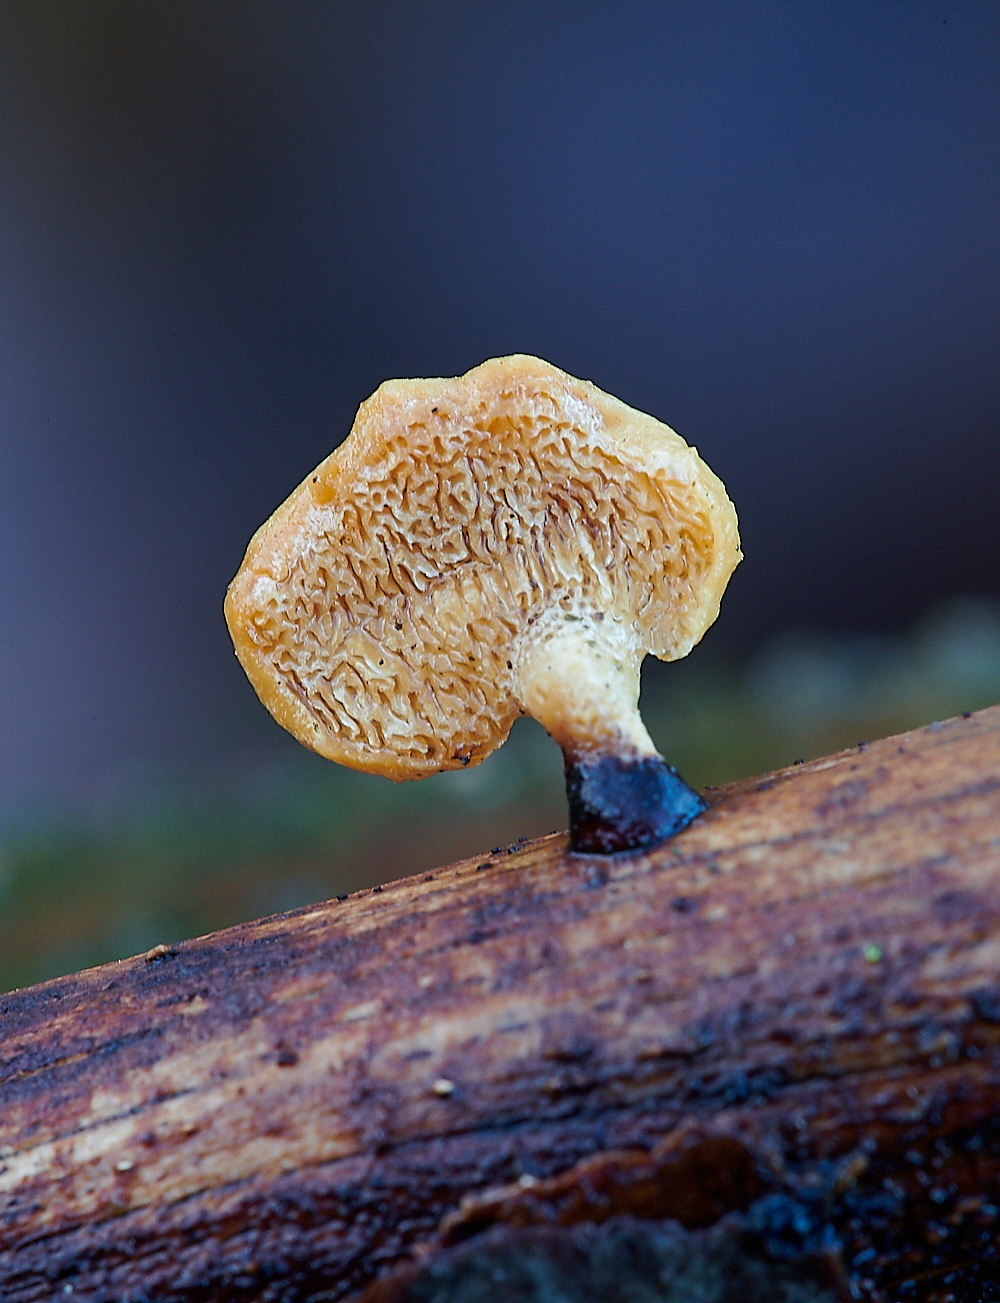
column 511, row 541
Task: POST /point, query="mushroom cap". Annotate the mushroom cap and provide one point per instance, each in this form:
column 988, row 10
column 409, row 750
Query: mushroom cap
column 379, row 612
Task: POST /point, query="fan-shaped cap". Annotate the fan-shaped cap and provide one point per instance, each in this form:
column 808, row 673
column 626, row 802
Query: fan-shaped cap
column 383, row 611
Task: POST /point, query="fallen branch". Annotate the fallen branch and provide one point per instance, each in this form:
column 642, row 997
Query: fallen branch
column 798, row 999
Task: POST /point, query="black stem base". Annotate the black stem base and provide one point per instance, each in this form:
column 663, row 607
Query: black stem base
column 625, row 805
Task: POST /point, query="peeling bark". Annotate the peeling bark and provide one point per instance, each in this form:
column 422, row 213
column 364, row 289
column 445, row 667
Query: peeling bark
column 797, row 999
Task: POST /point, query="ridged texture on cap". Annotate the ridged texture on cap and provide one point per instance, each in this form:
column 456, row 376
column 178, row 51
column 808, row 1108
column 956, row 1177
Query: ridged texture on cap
column 379, row 611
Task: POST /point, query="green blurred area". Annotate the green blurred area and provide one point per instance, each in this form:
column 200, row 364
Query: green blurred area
column 174, row 858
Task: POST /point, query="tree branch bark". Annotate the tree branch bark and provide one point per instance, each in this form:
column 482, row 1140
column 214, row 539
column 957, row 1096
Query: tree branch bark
column 798, row 998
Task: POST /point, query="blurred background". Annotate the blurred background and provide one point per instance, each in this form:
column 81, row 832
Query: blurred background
column 773, row 225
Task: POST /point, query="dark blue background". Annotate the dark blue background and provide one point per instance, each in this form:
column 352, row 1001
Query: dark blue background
column 773, row 225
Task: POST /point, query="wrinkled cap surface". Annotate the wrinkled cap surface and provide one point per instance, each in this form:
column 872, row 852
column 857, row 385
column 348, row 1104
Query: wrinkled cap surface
column 380, row 612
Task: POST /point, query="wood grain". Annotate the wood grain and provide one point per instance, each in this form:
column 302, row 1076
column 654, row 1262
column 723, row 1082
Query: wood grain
column 799, row 997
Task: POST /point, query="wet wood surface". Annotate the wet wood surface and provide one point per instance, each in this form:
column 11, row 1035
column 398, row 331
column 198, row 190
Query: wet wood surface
column 798, row 999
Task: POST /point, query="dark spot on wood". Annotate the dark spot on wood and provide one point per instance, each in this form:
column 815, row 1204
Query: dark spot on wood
column 909, row 999
column 683, row 904
column 986, row 1003
column 842, row 796
column 956, row 906
column 570, row 1052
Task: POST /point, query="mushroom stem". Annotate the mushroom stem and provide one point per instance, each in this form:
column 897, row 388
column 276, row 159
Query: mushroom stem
column 578, row 675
